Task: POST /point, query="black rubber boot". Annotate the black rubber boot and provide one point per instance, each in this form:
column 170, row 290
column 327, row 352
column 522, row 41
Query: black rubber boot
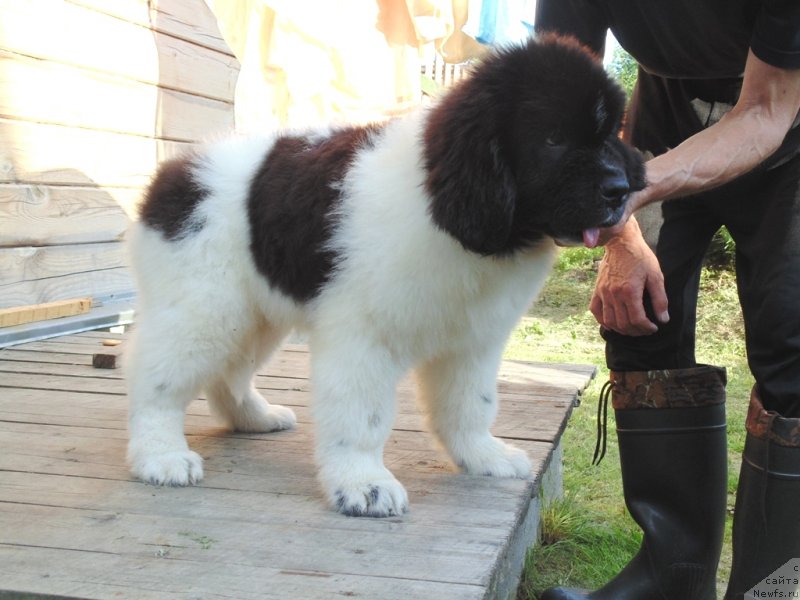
column 766, row 520
column 672, row 448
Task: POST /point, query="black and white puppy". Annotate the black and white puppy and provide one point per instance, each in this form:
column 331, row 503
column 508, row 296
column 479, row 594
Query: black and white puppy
column 417, row 243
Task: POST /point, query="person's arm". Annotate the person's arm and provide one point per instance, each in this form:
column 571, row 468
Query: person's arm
column 767, row 107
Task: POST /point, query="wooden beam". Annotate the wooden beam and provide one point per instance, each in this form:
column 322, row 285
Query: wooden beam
column 51, row 154
column 41, row 312
column 92, row 100
column 45, row 215
column 32, row 275
column 129, row 50
column 189, row 20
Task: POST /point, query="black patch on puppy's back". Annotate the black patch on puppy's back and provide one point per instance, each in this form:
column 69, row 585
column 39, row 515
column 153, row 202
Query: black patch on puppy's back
column 172, row 198
column 291, row 208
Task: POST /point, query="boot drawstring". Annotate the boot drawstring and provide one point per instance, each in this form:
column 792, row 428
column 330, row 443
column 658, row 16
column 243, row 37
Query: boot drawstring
column 602, row 423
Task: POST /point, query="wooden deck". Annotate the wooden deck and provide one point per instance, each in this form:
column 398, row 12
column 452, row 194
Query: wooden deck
column 74, row 524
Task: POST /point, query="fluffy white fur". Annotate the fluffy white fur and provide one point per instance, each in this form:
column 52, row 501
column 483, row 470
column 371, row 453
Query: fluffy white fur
column 404, row 295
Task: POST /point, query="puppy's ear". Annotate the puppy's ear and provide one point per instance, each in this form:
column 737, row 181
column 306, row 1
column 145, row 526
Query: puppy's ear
column 473, row 191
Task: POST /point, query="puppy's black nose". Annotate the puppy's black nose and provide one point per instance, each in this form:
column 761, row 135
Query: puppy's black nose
column 615, row 187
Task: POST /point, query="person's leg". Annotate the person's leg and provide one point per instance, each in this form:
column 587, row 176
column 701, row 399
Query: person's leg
column 766, row 518
column 681, row 244
column 670, row 419
column 766, row 529
column 766, row 229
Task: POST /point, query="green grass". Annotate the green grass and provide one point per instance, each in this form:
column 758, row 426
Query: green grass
column 588, row 537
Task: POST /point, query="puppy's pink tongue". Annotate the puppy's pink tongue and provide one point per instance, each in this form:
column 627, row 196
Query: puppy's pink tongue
column 591, row 237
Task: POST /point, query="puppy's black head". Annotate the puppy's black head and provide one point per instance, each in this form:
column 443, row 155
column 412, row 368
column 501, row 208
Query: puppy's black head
column 528, row 147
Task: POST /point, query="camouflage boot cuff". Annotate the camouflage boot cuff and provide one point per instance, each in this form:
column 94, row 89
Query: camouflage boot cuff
column 769, row 425
column 673, row 388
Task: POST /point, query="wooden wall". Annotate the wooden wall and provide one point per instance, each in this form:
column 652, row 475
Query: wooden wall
column 93, row 94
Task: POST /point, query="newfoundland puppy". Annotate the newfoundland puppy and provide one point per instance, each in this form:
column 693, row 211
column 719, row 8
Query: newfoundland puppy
column 416, row 243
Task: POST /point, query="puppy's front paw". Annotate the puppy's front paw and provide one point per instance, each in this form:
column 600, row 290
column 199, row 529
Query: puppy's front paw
column 177, row 468
column 495, row 458
column 381, row 496
column 380, row 499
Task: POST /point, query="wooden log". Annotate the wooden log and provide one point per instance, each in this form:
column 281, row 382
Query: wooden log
column 45, row 215
column 32, row 275
column 190, row 20
column 50, row 154
column 32, row 263
column 106, row 285
column 92, row 100
column 107, row 44
column 20, row 315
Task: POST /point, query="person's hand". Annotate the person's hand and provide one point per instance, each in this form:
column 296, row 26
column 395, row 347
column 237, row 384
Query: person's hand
column 636, row 201
column 629, row 268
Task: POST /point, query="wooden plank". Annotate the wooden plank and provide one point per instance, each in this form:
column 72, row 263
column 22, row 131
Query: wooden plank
column 279, row 463
column 90, row 338
column 530, row 406
column 42, row 312
column 537, row 415
column 190, row 20
column 283, row 390
column 517, row 420
column 47, row 359
column 73, row 365
column 133, row 535
column 104, row 285
column 42, row 215
column 30, row 263
column 37, row 272
column 49, row 154
column 92, row 100
column 50, row 367
column 514, row 376
column 81, row 574
column 522, row 417
column 285, row 546
column 521, row 424
column 110, row 45
column 293, row 361
column 73, row 522
column 284, row 481
column 291, row 351
column 459, row 512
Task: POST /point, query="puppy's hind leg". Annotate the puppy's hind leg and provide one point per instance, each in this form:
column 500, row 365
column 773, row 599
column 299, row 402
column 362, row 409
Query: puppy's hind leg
column 234, row 398
column 459, row 392
column 354, row 399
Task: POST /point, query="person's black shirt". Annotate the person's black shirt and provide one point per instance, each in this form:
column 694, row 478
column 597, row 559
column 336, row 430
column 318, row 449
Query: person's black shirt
column 691, row 53
column 684, row 38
